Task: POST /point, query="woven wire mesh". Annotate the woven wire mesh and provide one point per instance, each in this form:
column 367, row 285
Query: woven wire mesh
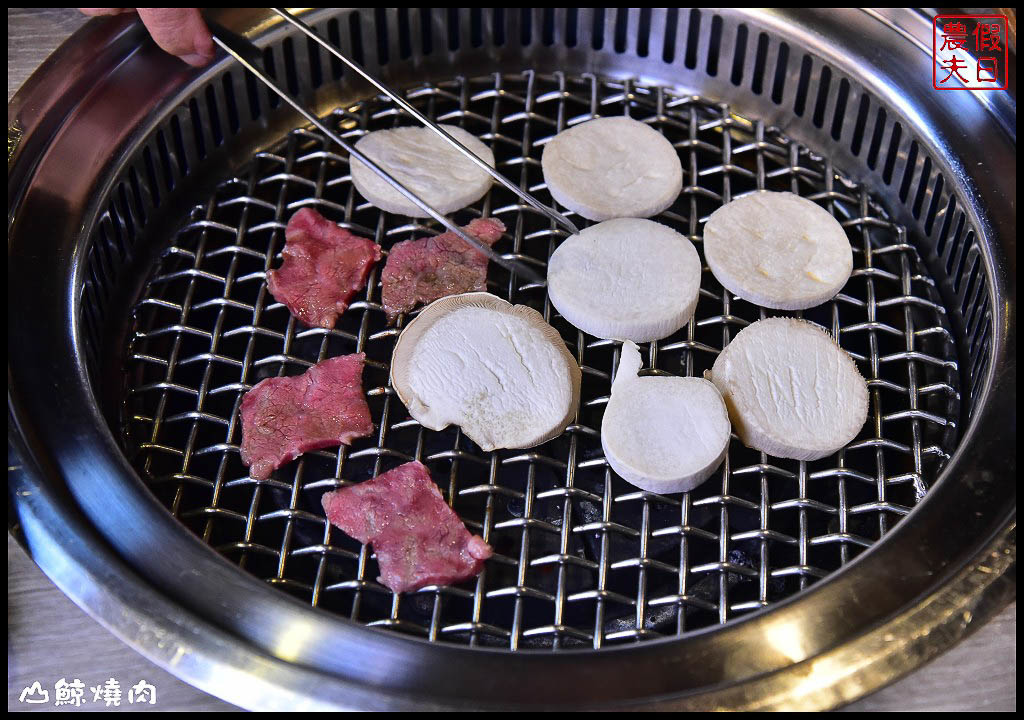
column 582, row 559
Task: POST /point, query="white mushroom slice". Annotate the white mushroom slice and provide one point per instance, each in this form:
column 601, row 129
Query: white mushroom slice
column 495, row 369
column 778, row 250
column 625, row 279
column 611, row 168
column 791, row 390
column 422, row 161
column 663, row 434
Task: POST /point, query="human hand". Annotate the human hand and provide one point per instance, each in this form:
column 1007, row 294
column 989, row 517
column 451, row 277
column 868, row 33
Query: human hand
column 179, row 31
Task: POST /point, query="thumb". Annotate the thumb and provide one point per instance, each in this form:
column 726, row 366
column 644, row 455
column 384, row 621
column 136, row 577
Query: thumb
column 181, row 32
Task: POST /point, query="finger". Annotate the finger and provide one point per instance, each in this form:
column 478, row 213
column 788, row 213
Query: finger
column 94, row 12
column 181, row 32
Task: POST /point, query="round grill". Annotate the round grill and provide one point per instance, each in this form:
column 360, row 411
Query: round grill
column 582, row 557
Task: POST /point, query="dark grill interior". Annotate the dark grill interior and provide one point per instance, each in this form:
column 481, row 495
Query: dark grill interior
column 582, row 558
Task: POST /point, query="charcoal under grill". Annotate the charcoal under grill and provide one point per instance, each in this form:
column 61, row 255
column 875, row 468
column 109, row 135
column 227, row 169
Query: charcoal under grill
column 171, row 323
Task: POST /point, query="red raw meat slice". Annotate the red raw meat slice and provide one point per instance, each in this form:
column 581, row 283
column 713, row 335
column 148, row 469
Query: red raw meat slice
column 324, row 266
column 423, row 270
column 418, row 539
column 286, row 416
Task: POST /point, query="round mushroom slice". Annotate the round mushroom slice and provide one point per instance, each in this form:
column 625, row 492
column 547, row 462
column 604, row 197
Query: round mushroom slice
column 791, row 390
column 496, row 370
column 426, row 164
column 611, row 168
column 778, row 250
column 625, row 279
column 663, row 434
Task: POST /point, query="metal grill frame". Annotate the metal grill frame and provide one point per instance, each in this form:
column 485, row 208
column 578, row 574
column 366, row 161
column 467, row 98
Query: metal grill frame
column 306, row 172
column 78, row 501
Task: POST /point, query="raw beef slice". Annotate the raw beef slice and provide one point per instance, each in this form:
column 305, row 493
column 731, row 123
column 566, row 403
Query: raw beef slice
column 418, row 539
column 423, row 270
column 286, row 416
column 324, row 266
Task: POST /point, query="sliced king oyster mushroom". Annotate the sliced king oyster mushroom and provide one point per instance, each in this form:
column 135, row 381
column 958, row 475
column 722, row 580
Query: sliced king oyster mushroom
column 791, row 390
column 626, row 279
column 612, row 167
column 495, row 369
column 663, row 434
column 425, row 163
column 778, row 250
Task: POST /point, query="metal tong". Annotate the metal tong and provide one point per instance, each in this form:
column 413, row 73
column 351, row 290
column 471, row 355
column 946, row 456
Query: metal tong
column 250, row 57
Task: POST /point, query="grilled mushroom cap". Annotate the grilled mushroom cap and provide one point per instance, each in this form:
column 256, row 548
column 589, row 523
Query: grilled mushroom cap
column 496, row 370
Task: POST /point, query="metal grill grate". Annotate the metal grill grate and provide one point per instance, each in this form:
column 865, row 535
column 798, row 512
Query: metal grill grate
column 582, row 558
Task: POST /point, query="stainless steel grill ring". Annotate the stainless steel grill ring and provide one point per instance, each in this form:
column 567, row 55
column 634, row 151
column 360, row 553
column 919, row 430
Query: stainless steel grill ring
column 147, row 201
